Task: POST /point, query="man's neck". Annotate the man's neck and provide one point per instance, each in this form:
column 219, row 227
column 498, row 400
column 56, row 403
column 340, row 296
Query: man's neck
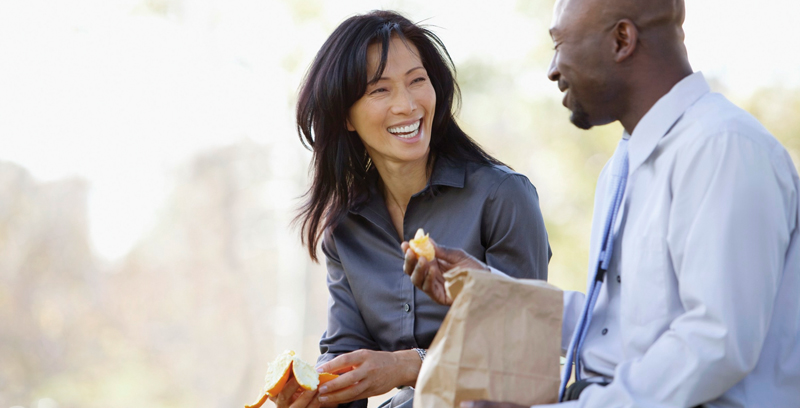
column 647, row 91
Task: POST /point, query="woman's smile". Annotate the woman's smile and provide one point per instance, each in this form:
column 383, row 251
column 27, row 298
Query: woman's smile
column 407, row 133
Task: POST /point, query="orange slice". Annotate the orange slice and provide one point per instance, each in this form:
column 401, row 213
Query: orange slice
column 305, row 374
column 422, row 246
column 278, row 373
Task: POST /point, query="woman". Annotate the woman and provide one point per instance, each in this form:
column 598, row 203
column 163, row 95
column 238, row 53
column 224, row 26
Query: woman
column 376, row 108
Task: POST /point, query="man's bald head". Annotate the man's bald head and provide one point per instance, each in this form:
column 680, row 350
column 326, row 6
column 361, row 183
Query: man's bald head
column 658, row 21
column 615, row 56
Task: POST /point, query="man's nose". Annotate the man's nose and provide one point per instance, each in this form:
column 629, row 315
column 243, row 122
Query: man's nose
column 552, row 71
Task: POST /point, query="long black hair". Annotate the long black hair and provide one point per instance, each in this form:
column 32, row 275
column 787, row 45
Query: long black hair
column 336, row 80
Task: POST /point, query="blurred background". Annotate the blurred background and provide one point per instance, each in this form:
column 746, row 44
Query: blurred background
column 149, row 171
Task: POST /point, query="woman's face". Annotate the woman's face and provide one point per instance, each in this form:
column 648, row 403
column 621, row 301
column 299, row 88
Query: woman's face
column 395, row 116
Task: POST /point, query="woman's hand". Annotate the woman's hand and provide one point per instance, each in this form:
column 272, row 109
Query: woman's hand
column 368, row 373
column 429, row 276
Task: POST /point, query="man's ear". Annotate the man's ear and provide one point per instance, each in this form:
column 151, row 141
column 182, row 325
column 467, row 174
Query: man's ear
column 626, row 36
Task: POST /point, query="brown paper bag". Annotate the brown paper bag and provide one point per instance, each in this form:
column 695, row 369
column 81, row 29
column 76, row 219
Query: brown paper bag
column 500, row 341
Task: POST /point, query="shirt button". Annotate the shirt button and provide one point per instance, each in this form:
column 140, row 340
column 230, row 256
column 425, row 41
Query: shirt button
column 406, row 307
column 605, row 331
column 619, row 279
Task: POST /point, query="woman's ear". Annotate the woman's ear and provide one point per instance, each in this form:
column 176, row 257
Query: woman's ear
column 626, row 36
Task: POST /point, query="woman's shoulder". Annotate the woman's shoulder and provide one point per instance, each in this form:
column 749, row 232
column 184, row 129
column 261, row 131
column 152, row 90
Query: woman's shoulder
column 496, row 176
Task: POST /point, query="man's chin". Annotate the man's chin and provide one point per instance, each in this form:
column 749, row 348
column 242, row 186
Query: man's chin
column 580, row 120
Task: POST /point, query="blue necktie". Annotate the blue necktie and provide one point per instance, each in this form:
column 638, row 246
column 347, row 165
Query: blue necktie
column 618, row 180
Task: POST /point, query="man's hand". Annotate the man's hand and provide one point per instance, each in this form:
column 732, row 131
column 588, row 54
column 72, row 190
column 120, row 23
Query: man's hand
column 489, row 404
column 428, row 276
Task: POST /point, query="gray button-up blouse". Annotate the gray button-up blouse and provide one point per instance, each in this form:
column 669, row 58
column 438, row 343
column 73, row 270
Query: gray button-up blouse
column 489, row 211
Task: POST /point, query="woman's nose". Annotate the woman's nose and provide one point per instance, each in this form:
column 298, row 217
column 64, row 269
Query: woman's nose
column 403, row 102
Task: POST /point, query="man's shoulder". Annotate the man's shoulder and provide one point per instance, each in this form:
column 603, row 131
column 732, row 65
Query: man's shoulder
column 714, row 114
column 713, row 118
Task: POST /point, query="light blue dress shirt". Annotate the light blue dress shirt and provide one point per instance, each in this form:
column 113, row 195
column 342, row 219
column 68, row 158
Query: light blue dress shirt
column 701, row 304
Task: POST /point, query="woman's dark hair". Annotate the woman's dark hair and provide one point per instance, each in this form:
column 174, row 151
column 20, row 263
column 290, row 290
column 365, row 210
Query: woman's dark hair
column 336, row 80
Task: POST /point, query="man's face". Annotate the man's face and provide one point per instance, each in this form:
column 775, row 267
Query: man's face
column 581, row 63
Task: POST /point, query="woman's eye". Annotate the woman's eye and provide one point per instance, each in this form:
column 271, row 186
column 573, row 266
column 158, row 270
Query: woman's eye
column 420, row 79
column 375, row 91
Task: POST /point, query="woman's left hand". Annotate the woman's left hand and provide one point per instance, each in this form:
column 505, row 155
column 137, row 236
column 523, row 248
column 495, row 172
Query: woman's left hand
column 368, row 373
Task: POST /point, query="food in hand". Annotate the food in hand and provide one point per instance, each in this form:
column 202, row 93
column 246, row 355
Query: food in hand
column 422, row 245
column 278, row 373
column 285, row 366
column 325, row 377
column 305, row 374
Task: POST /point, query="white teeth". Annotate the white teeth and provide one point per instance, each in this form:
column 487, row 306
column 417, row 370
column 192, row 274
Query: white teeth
column 407, row 135
column 401, row 130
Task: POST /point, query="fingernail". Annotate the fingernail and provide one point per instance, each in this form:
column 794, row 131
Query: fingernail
column 323, row 399
column 320, row 370
column 466, row 404
column 323, row 389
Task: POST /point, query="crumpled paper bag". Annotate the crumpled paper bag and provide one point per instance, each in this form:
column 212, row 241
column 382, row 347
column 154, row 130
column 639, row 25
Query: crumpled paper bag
column 500, row 341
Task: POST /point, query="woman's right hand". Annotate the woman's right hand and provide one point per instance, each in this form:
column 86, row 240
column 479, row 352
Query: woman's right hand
column 292, row 396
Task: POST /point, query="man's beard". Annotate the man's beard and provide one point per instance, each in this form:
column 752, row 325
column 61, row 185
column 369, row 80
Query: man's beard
column 579, row 117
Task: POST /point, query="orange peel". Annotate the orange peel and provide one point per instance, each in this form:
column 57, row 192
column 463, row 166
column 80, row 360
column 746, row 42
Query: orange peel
column 258, row 403
column 422, row 245
column 325, row 377
column 278, row 373
column 305, row 374
column 286, row 366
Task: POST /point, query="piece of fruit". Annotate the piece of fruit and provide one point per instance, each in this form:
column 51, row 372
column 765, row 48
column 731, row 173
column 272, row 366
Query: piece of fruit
column 305, row 374
column 422, row 246
column 278, row 373
column 285, row 366
column 325, row 377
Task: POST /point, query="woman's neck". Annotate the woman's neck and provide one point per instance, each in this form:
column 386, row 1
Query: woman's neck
column 402, row 180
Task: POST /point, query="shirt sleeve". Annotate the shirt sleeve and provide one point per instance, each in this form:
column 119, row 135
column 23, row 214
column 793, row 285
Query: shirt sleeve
column 514, row 231
column 573, row 305
column 728, row 236
column 346, row 329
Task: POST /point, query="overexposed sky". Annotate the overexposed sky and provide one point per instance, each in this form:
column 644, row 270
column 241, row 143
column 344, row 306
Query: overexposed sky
column 112, row 92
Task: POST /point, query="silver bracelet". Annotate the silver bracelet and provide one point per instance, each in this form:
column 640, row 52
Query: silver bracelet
column 422, row 353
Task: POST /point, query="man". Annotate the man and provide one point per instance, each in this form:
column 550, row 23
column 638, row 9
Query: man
column 694, row 291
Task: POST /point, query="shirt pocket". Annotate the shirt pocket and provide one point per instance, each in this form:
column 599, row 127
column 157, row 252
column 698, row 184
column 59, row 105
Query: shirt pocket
column 645, row 287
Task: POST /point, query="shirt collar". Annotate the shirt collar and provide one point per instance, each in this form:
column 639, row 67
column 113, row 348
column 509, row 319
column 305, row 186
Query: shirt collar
column 446, row 172
column 658, row 121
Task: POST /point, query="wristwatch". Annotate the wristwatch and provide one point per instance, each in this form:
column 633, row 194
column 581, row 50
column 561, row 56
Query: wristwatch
column 422, row 353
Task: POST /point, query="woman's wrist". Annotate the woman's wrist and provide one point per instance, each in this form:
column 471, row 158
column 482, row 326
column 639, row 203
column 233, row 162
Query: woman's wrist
column 410, row 364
